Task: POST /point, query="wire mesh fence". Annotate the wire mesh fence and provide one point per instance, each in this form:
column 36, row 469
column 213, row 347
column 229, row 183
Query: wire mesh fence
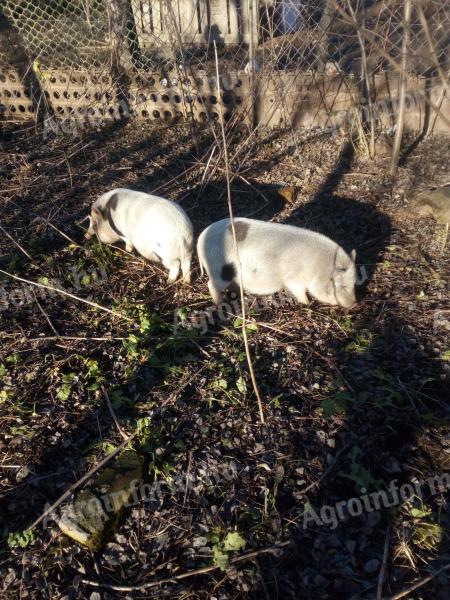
column 155, row 58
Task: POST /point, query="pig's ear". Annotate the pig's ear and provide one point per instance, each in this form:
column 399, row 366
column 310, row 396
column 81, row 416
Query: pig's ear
column 353, row 254
column 96, row 212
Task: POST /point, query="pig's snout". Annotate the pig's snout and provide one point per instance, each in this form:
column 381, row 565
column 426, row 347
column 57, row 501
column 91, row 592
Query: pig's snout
column 349, row 304
column 347, row 301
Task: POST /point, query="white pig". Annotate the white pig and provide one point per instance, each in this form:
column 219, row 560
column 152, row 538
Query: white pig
column 159, row 229
column 273, row 257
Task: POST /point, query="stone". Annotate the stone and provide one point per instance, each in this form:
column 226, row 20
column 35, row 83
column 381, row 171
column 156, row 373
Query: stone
column 92, row 517
column 372, row 565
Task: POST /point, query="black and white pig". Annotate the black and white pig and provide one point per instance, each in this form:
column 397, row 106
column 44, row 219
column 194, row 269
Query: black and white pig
column 159, row 229
column 273, row 257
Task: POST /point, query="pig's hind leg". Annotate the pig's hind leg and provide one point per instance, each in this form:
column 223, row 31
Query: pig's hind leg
column 220, row 279
column 186, row 269
column 216, row 287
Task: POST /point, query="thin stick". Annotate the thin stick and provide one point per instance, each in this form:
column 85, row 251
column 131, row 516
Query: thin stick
column 401, row 104
column 230, row 208
column 64, row 293
column 426, row 30
column 251, row 14
column 113, row 414
column 47, row 222
column 77, row 484
column 74, row 338
column 188, row 473
column 326, row 472
column 382, row 574
column 436, row 114
column 47, row 318
column 420, row 583
column 201, row 571
column 17, row 244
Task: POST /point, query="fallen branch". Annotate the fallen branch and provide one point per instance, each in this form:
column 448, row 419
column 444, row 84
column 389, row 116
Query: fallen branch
column 175, row 578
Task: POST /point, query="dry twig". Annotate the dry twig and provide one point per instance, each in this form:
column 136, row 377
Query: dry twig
column 230, row 208
column 420, row 583
column 113, row 414
column 175, row 578
column 382, row 575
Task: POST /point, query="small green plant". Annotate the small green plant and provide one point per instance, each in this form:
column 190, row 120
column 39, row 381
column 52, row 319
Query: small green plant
column 222, row 387
column 23, row 539
column 336, row 404
column 145, row 432
column 94, row 375
column 64, row 390
column 361, row 343
column 241, row 384
column 5, row 395
column 346, row 323
column 232, row 542
column 338, row 400
column 276, row 400
column 118, row 399
column 250, row 327
column 362, row 478
column 17, row 262
column 13, row 359
column 101, row 253
column 426, row 532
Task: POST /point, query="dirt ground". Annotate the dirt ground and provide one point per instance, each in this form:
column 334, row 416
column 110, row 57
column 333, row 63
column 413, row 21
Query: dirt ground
column 355, row 401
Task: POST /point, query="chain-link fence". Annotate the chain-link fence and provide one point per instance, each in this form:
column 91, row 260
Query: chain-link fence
column 281, row 61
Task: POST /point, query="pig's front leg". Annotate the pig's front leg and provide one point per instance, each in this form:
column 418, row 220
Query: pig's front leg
column 298, row 290
column 128, row 246
column 152, row 257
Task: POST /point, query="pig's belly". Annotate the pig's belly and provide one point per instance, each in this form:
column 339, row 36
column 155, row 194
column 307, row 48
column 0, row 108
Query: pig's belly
column 261, row 283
